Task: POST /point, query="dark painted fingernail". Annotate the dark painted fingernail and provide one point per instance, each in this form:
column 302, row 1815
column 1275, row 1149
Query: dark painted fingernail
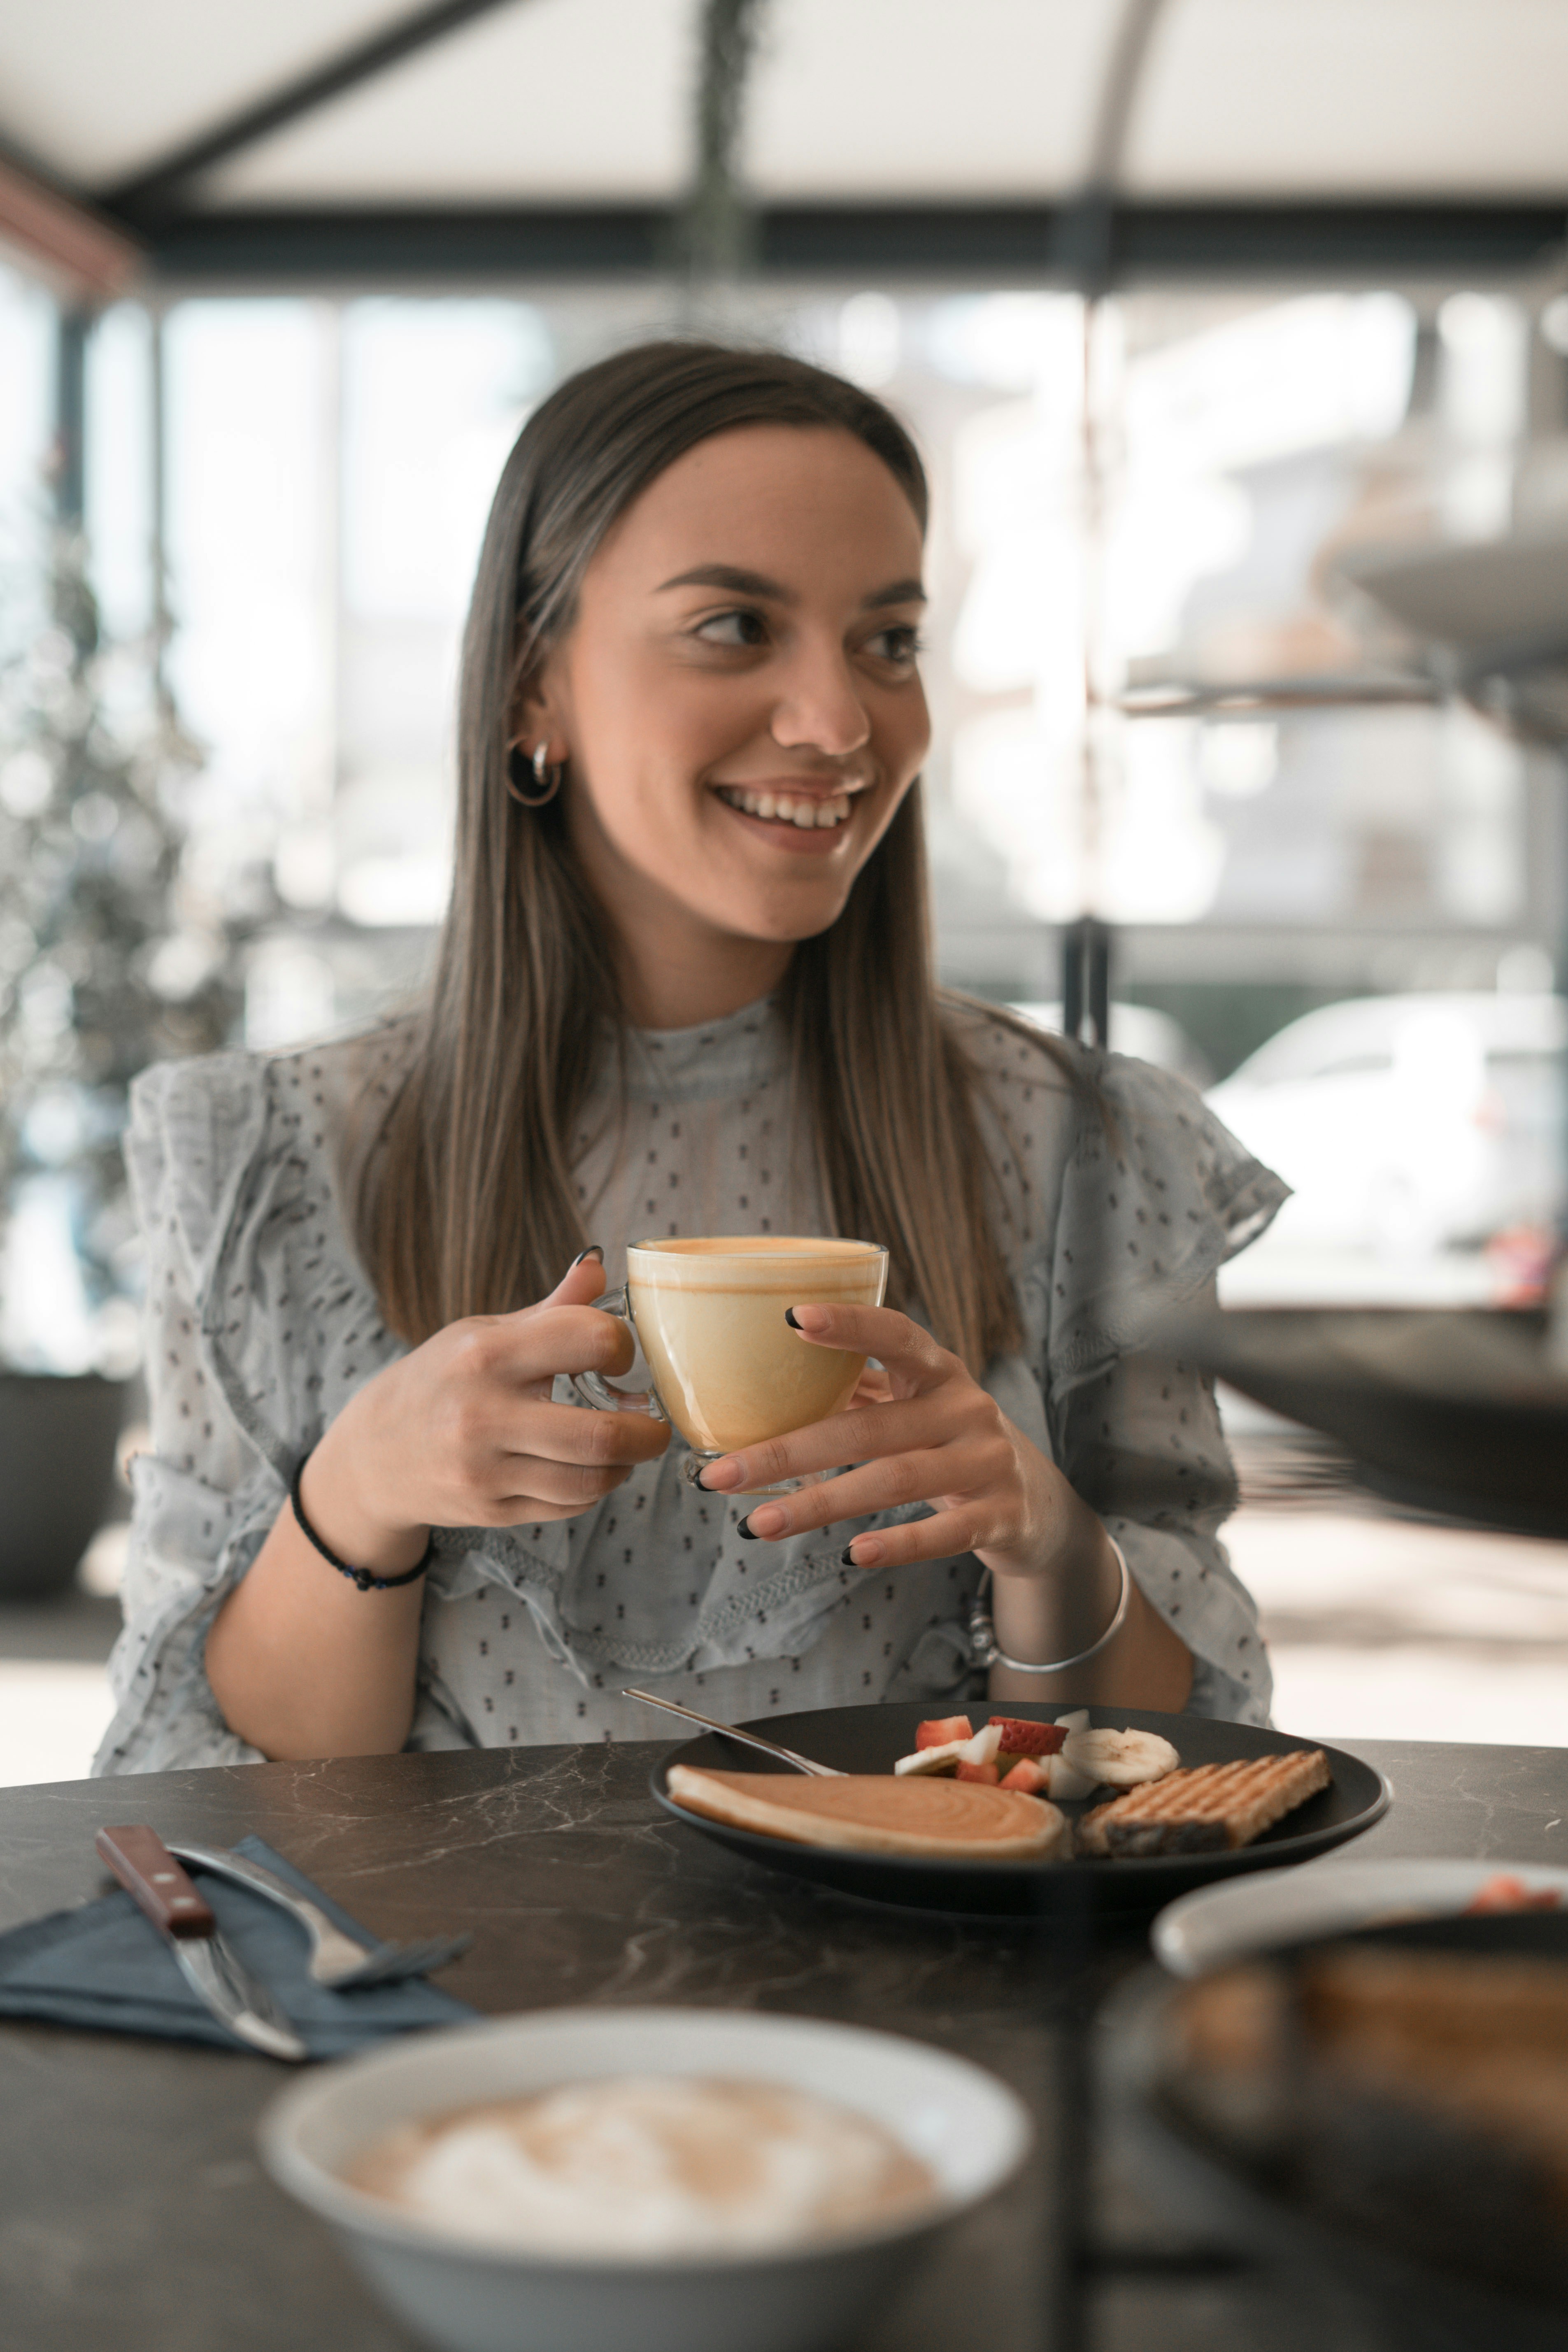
column 846, row 1558
column 743, row 1529
column 594, row 1249
column 789, row 1318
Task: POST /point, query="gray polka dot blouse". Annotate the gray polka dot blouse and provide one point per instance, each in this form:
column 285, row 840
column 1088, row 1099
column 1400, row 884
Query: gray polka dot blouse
column 260, row 1325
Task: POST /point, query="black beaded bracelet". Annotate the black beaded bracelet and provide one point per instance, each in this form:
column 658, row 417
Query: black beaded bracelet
column 361, row 1577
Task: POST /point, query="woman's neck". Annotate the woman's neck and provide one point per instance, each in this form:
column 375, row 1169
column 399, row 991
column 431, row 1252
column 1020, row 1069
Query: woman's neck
column 671, row 986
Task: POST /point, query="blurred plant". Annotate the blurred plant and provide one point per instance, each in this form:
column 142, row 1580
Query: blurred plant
column 110, row 956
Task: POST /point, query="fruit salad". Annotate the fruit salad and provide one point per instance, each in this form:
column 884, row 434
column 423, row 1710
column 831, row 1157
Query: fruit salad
column 1055, row 1760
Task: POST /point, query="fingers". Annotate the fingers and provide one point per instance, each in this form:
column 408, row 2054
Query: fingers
column 547, row 1461
column 538, row 1343
column 906, row 1351
column 897, row 1426
column 854, row 1494
column 566, row 1434
column 946, row 1533
column 943, row 1535
column 528, row 1478
column 491, row 1447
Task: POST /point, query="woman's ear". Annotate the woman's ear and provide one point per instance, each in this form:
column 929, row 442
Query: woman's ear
column 535, row 715
column 527, row 719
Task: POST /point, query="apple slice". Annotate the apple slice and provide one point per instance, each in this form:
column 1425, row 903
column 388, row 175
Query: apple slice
column 1067, row 1785
column 932, row 1759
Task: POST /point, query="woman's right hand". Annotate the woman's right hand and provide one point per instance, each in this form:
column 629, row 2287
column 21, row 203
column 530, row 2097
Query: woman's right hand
column 462, row 1433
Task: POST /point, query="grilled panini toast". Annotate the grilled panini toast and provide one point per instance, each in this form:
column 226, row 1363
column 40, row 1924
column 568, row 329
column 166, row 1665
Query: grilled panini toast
column 1207, row 1809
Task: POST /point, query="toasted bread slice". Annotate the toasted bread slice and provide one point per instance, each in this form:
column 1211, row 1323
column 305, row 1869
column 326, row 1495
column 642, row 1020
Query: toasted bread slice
column 1207, row 1809
column 874, row 1813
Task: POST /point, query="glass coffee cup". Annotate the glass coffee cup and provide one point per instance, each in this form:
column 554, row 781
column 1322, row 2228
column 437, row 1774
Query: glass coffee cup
column 726, row 1369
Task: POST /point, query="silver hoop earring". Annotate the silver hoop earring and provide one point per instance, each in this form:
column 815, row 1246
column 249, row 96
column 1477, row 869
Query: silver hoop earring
column 547, row 780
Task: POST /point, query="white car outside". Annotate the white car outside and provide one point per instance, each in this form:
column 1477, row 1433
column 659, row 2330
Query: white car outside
column 1409, row 1124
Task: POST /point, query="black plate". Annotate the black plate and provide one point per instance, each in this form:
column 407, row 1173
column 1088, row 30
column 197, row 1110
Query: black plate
column 870, row 1738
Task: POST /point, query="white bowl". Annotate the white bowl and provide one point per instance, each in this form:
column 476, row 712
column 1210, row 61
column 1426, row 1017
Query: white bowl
column 1241, row 1915
column 970, row 2129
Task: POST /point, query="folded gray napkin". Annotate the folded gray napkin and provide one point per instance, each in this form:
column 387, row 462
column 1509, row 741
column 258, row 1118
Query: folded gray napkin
column 104, row 1964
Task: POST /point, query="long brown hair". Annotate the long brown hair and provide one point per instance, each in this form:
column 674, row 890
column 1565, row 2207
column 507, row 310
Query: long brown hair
column 464, row 1204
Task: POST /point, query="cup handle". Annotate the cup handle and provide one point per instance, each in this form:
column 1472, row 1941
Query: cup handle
column 602, row 1394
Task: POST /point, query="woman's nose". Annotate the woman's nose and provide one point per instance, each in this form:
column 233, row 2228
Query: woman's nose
column 820, row 708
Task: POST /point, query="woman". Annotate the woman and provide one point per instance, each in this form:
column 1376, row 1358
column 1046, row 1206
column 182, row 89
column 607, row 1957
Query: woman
column 684, row 986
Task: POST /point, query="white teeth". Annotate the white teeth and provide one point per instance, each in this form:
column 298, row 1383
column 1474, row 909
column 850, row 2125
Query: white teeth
column 781, row 808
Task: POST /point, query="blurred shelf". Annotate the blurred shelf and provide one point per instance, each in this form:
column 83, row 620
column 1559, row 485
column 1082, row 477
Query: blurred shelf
column 1245, row 698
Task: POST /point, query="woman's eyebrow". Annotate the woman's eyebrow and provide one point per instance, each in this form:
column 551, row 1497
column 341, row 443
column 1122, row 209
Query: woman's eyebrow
column 899, row 592
column 730, row 575
column 741, row 582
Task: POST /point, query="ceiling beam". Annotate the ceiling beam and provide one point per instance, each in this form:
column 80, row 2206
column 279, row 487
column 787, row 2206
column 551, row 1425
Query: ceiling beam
column 79, row 256
column 1018, row 245
column 156, row 191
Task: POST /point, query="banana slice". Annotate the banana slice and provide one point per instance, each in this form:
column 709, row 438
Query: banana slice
column 1120, row 1760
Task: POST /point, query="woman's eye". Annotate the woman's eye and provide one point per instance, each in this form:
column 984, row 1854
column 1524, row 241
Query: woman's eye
column 902, row 645
column 744, row 629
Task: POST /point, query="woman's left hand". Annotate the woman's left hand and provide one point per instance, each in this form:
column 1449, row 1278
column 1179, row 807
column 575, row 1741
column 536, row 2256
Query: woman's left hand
column 924, row 1432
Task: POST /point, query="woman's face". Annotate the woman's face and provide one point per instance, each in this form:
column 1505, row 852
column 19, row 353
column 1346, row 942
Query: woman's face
column 738, row 697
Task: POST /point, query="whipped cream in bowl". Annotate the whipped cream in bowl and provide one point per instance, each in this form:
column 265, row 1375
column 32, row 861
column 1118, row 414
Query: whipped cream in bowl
column 685, row 2179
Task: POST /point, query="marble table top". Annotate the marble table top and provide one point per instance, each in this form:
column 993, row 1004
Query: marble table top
column 134, row 2214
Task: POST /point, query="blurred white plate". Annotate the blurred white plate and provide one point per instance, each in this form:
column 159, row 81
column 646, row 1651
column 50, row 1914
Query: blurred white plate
column 1234, row 1917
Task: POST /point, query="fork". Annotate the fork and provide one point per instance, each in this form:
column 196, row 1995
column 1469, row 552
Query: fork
column 797, row 1763
column 336, row 1960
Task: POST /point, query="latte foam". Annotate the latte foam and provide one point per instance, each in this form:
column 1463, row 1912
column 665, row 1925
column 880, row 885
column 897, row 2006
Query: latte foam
column 648, row 2164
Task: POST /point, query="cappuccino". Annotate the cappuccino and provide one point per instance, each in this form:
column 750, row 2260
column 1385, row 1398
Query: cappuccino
column 662, row 2167
column 728, row 1370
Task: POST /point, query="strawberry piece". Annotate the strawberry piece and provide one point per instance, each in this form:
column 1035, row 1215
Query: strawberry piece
column 1504, row 1892
column 985, row 1772
column 941, row 1733
column 1020, row 1739
column 1029, row 1774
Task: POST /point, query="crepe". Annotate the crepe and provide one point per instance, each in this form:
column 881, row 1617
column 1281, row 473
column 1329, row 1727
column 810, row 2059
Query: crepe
column 874, row 1814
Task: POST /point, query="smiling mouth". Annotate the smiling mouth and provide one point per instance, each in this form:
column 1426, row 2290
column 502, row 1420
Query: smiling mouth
column 805, row 810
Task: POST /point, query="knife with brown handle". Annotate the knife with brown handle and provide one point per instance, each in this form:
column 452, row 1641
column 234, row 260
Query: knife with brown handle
column 156, row 1884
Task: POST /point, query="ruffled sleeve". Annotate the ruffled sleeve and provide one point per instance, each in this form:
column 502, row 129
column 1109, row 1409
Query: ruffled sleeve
column 204, row 1494
column 1153, row 1196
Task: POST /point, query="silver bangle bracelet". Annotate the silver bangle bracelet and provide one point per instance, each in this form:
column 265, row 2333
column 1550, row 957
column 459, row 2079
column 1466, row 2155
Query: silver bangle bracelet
column 983, row 1629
